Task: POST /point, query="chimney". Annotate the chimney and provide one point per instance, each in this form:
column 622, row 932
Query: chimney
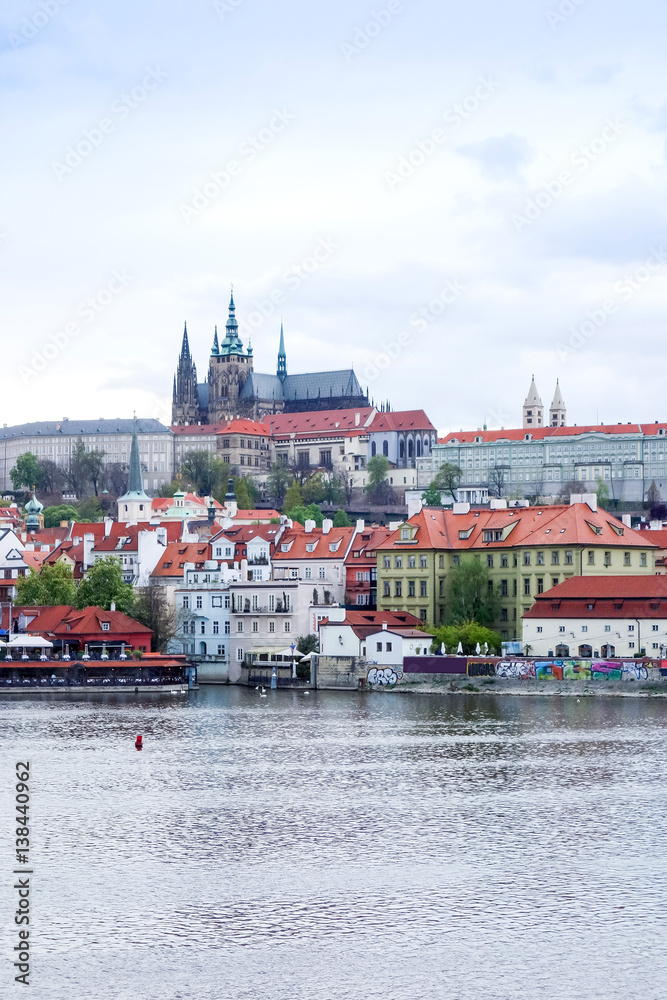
column 244, row 570
column 309, row 526
column 627, row 520
column 384, row 626
column 357, row 419
column 361, row 524
column 327, row 525
column 461, row 508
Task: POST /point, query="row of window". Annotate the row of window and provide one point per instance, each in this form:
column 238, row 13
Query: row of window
column 568, row 558
column 412, row 592
column 411, row 562
column 607, row 628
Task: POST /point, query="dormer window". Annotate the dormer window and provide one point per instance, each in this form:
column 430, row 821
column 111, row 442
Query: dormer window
column 405, row 534
column 106, row 626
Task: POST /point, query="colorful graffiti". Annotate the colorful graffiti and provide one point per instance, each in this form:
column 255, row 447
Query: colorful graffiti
column 383, row 675
column 518, row 669
column 475, row 668
column 633, row 671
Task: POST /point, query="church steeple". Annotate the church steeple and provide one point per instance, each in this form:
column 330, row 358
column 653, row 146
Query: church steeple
column 282, row 357
column 533, row 408
column 557, row 411
column 216, row 346
column 232, row 344
column 135, row 504
column 185, row 408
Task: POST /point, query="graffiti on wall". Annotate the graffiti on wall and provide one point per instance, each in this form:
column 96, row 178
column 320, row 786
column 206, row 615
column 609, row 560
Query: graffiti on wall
column 383, row 675
column 515, row 668
column 633, row 671
column 477, row 668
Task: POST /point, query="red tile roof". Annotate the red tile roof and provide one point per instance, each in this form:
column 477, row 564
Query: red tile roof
column 160, row 504
column 256, row 515
column 575, row 524
column 604, row 597
column 299, row 540
column 247, row 427
column 177, row 554
column 540, row 433
column 329, row 423
column 402, row 420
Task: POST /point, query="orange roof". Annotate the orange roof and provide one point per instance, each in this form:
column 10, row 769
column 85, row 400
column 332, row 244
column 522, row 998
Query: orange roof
column 35, row 560
column 539, row 433
column 323, row 422
column 298, row 542
column 246, row 427
column 658, row 536
column 401, row 420
column 164, row 503
column 130, row 532
column 177, row 554
column 89, row 620
column 256, row 515
column 560, row 524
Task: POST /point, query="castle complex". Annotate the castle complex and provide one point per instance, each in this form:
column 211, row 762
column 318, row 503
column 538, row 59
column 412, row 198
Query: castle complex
column 234, row 389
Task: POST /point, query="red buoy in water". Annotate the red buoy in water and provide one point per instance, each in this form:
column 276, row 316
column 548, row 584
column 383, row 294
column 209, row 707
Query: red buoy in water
column 139, row 743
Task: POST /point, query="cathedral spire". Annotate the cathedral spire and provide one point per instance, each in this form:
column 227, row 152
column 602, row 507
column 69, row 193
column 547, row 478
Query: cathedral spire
column 282, row 357
column 185, row 346
column 216, row 347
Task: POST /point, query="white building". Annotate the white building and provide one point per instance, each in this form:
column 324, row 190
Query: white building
column 203, row 606
column 599, row 616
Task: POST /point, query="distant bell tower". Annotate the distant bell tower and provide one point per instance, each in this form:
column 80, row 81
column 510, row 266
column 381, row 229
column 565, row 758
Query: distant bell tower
column 558, row 413
column 533, row 408
column 229, row 367
column 185, row 401
column 282, row 357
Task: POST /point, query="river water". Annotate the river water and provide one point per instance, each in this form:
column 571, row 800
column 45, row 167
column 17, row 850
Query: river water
column 340, row 846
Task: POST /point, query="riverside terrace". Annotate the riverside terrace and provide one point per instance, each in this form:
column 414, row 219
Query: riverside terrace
column 153, row 672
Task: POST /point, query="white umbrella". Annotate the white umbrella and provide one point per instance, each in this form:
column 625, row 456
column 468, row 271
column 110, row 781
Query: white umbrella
column 459, row 648
column 486, row 648
column 478, row 649
column 442, row 648
column 29, row 642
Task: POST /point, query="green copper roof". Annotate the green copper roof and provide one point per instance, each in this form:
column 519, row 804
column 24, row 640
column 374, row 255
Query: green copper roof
column 135, row 485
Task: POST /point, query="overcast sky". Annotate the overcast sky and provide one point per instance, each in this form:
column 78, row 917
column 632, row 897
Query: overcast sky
column 448, row 196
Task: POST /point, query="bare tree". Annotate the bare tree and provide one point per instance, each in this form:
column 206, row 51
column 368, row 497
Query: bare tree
column 153, row 609
column 497, row 480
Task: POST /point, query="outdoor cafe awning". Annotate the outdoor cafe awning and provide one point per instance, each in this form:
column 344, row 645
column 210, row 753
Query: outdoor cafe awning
column 284, row 652
column 29, row 642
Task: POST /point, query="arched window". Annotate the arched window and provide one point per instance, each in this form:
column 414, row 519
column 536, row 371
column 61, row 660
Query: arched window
column 202, row 649
column 585, row 651
column 373, row 449
column 385, row 448
column 419, row 447
column 608, row 651
column 562, row 650
column 401, row 448
column 410, row 447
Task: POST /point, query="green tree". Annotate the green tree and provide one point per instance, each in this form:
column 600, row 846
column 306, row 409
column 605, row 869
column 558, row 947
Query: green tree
column 470, row 594
column 432, row 497
column 153, row 609
column 468, row 633
column 293, row 497
column 308, row 644
column 341, row 520
column 652, row 494
column 204, row 472
column 277, row 482
column 168, row 489
column 95, row 467
column 89, row 510
column 310, row 513
column 378, row 489
column 63, row 512
column 54, row 585
column 77, row 472
column 27, row 473
column 334, row 490
column 447, row 478
column 602, row 493
column 242, row 496
column 314, row 489
column 103, row 584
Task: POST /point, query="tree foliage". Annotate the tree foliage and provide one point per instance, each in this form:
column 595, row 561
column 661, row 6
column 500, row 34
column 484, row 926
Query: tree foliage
column 341, row 520
column 378, row 490
column 278, row 481
column 432, row 497
column 90, row 510
column 602, row 492
column 54, row 585
column 103, row 584
column 27, row 473
column 310, row 513
column 447, row 478
column 308, row 644
column 62, row 512
column 293, row 497
column 468, row 633
column 205, row 473
column 243, row 498
column 153, row 609
column 470, row 594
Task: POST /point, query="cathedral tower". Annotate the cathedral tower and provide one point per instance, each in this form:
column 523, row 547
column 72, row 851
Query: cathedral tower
column 557, row 412
column 185, row 403
column 533, row 408
column 229, row 367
